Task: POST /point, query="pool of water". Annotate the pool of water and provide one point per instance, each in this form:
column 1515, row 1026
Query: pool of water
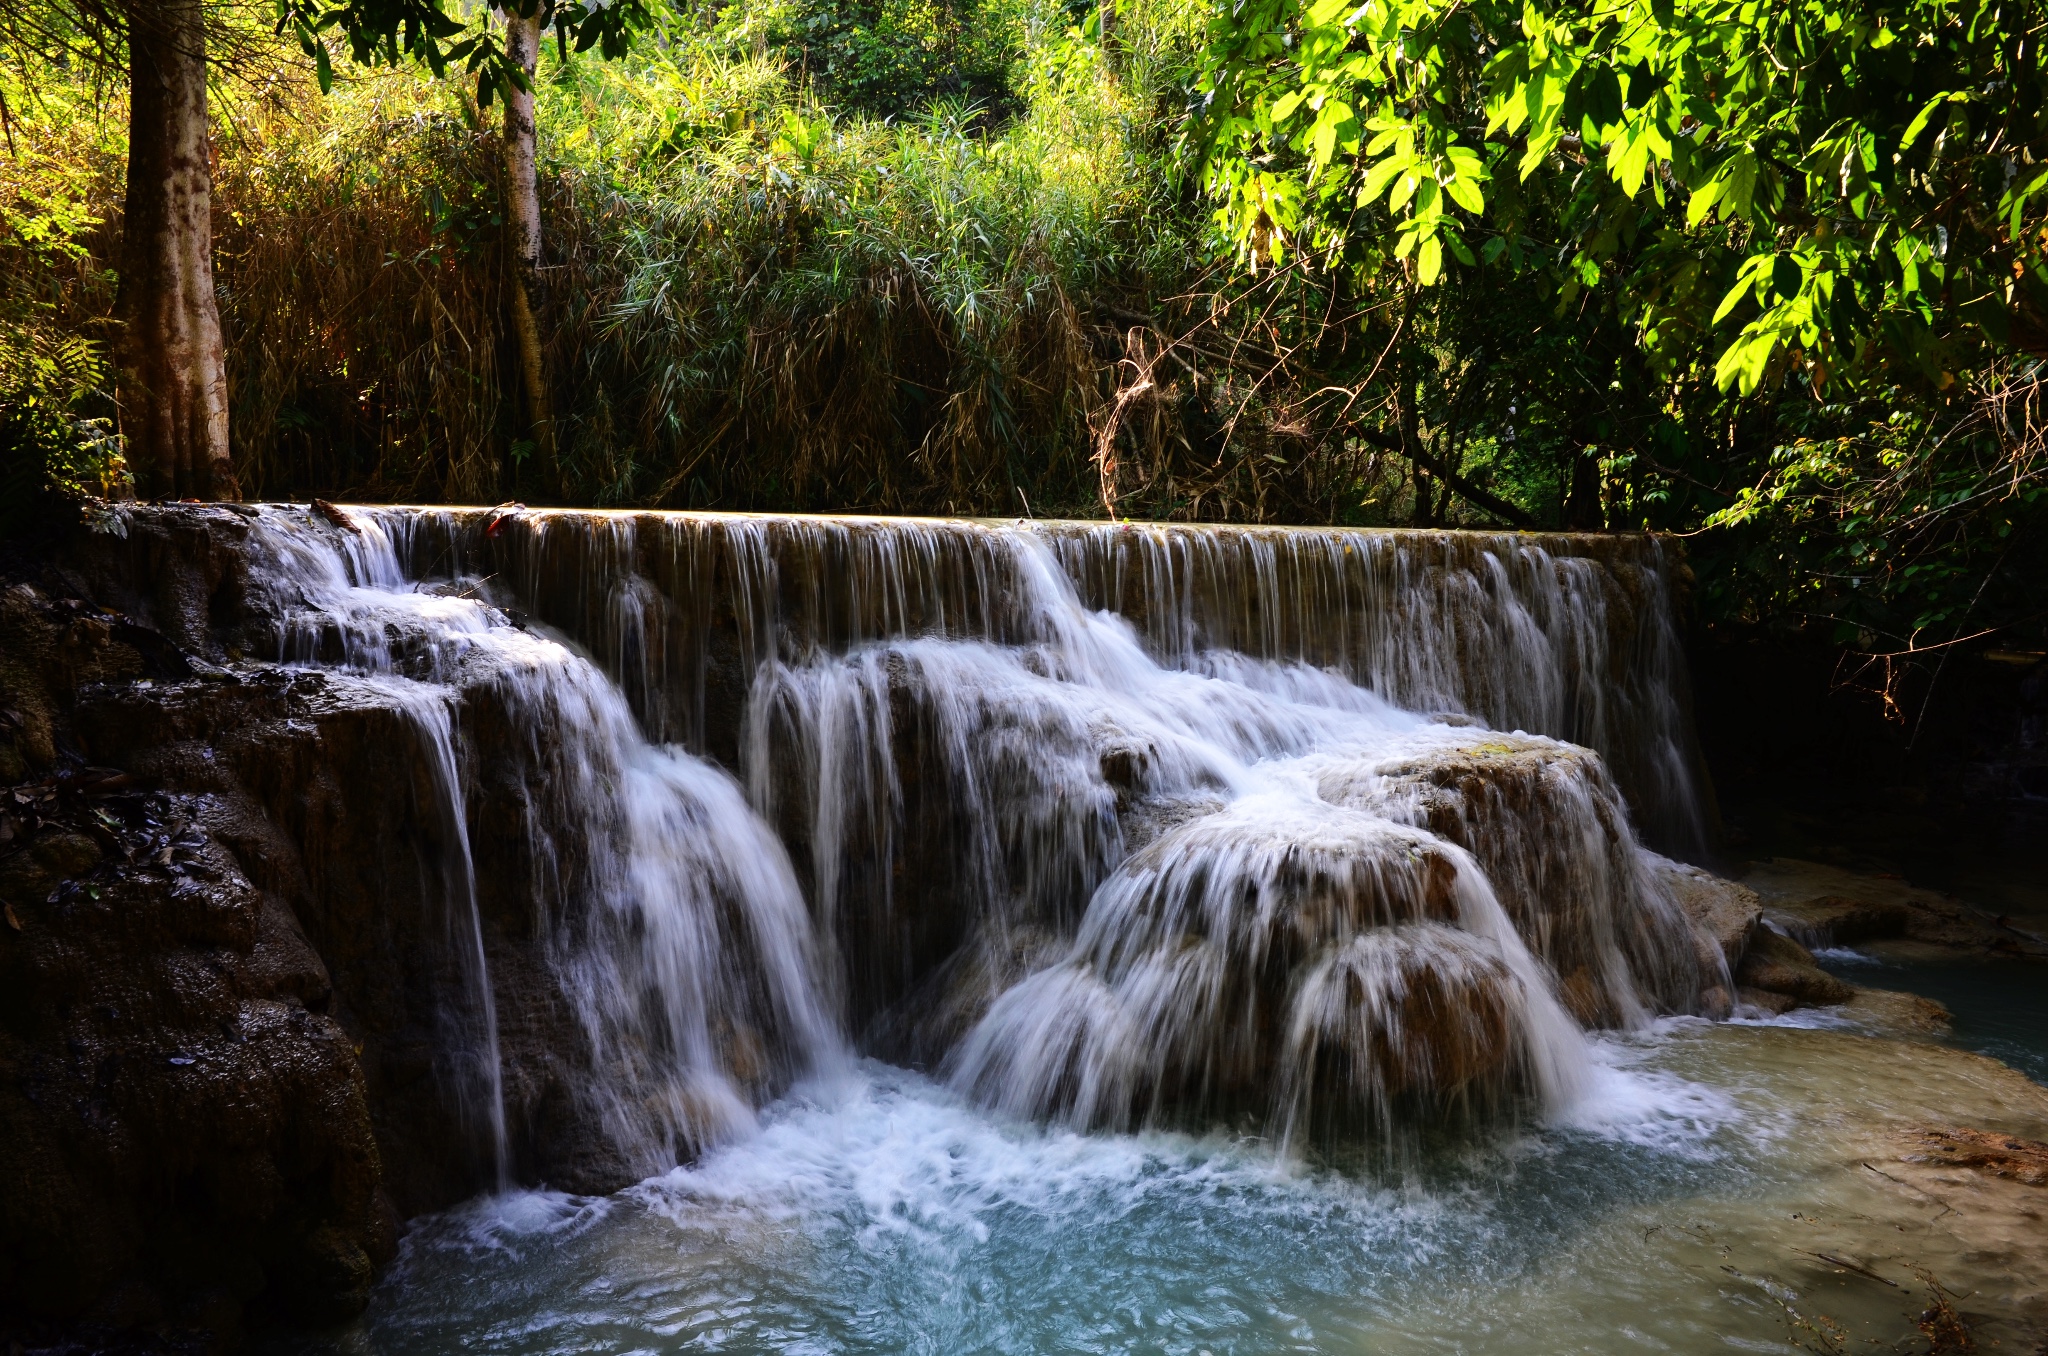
column 1727, row 1187
column 1999, row 1007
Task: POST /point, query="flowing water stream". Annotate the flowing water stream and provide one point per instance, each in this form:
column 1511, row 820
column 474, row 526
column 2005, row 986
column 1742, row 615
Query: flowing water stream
column 1065, row 938
column 1689, row 1211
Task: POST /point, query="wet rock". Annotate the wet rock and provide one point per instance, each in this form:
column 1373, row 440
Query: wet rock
column 1764, row 1001
column 1146, row 820
column 1321, row 978
column 1725, row 918
column 1726, row 912
column 172, row 1117
column 186, row 1134
column 1995, row 1155
column 1904, row 1015
column 1832, row 920
column 1776, row 964
column 1829, row 906
column 1551, row 831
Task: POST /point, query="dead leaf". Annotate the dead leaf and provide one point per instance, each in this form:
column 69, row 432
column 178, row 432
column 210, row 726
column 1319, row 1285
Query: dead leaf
column 336, row 516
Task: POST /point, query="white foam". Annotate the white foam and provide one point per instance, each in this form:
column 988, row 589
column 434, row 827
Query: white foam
column 903, row 1160
column 502, row 1222
column 1629, row 1103
column 1846, row 955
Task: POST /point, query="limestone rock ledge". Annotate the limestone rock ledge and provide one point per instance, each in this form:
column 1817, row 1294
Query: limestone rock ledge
column 1774, row 973
column 188, row 1137
column 226, row 1067
column 1823, row 906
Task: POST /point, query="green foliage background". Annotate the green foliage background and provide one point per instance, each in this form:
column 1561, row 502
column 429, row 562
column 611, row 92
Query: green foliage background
column 1404, row 262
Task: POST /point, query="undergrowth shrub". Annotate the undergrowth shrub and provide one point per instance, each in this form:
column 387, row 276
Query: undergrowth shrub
column 754, row 295
column 56, row 438
column 751, row 299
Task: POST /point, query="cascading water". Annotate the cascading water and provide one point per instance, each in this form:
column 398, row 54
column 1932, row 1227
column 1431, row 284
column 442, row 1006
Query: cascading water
column 1189, row 865
column 670, row 914
column 1127, row 856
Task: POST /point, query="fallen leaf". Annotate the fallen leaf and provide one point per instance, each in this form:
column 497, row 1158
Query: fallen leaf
column 336, row 516
column 13, row 921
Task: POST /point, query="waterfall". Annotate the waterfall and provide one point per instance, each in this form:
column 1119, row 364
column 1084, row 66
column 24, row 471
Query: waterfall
column 670, row 914
column 1319, row 833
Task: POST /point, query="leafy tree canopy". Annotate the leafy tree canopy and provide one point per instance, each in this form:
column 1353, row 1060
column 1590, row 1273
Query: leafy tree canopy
column 1850, row 188
column 390, row 31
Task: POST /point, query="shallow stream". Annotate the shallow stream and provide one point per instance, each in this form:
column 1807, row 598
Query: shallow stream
column 1725, row 1187
column 2000, row 1007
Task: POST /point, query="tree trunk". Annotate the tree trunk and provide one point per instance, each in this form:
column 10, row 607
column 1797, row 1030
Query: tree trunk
column 522, row 229
column 1112, row 38
column 172, row 367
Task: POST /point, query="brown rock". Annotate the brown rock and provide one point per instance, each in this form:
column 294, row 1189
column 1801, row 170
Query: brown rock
column 1550, row 827
column 1828, row 906
column 184, row 1137
column 1901, row 1014
column 1726, row 913
column 1777, row 964
column 1776, row 1004
column 1996, row 1155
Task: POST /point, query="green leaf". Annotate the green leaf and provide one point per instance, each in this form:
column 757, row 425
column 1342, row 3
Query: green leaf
column 1919, row 123
column 1635, row 161
column 1429, row 261
column 1739, row 174
column 1509, row 112
column 1703, row 199
column 1323, row 138
column 1743, row 287
column 1466, row 194
column 1379, row 176
column 1404, row 189
column 1786, row 276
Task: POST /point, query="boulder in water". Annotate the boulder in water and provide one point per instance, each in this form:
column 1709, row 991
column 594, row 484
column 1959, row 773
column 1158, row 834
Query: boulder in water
column 1724, row 916
column 1828, row 906
column 1725, row 912
column 1552, row 834
column 1775, row 964
column 1312, row 970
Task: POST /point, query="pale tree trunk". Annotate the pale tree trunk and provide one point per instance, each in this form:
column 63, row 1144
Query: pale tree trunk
column 522, row 229
column 172, row 369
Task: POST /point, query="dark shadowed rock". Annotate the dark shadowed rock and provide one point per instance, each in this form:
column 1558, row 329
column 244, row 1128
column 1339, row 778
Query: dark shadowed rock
column 1776, row 964
column 226, row 1065
column 1829, row 906
column 186, row 1128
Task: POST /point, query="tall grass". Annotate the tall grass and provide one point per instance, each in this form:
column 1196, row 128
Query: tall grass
column 752, row 299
